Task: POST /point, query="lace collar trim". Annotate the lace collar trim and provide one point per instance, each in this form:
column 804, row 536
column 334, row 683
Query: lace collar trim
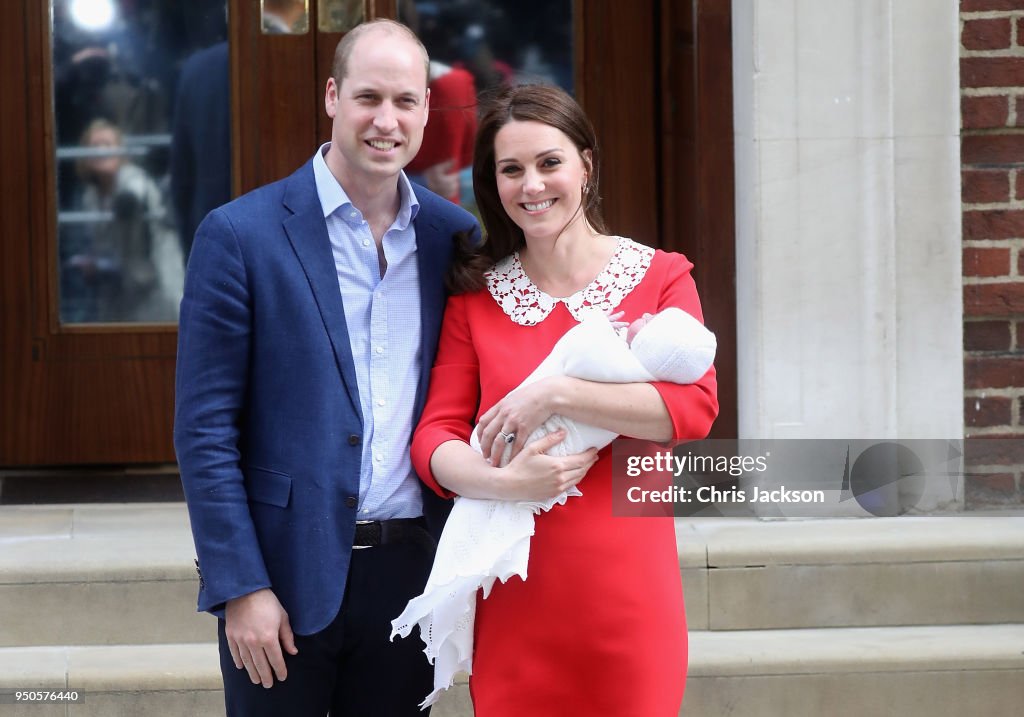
column 527, row 305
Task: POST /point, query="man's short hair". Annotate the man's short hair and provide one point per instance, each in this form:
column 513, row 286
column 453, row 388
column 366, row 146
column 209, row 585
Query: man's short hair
column 343, row 51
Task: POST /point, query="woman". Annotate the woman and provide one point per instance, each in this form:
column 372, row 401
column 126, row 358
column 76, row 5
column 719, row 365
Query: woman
column 598, row 627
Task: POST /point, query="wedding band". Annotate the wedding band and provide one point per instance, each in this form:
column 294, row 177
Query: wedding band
column 507, row 437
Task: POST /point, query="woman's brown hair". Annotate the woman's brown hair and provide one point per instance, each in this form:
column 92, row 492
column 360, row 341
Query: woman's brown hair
column 548, row 105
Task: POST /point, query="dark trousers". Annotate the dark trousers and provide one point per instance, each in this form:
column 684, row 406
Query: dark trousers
column 350, row 668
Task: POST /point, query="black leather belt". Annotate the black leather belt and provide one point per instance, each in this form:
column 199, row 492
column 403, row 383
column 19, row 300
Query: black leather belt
column 371, row 533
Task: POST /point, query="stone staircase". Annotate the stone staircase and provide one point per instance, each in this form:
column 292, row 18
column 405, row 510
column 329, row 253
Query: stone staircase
column 837, row 618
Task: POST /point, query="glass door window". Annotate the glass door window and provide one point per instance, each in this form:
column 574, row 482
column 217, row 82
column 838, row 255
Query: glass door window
column 142, row 126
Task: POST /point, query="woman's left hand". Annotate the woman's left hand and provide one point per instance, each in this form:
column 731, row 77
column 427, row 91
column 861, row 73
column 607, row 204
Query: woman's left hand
column 520, row 413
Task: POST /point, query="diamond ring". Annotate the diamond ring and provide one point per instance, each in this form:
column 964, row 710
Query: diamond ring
column 507, row 437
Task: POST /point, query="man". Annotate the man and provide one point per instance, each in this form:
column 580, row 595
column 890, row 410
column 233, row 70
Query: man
column 309, row 324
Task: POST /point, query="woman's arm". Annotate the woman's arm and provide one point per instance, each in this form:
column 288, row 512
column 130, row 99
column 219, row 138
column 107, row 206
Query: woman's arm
column 531, row 475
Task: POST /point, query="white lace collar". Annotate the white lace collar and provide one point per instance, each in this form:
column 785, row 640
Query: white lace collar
column 527, row 305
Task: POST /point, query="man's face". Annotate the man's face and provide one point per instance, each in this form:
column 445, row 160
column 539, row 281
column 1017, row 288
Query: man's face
column 379, row 109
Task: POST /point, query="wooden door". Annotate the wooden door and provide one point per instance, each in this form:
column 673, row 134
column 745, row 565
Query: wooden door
column 654, row 78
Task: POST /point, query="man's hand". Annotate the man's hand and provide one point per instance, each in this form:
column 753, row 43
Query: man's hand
column 256, row 627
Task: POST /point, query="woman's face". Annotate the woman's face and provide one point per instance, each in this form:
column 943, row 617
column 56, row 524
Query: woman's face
column 540, row 176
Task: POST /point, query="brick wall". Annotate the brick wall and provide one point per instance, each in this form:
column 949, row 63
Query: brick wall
column 992, row 154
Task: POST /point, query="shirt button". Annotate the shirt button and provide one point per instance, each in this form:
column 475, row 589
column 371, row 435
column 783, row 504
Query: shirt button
column 366, row 242
column 353, row 440
column 380, row 349
column 366, row 510
column 380, row 402
column 351, row 501
column 378, row 458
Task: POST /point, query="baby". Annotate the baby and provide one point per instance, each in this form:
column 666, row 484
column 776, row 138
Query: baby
column 488, row 540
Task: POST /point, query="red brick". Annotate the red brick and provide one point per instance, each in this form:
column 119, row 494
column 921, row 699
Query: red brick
column 993, row 372
column 983, row 5
column 1002, row 299
column 994, row 224
column 1020, row 30
column 1005, row 449
column 984, row 412
column 987, row 336
column 986, row 261
column 1002, row 482
column 1020, row 185
column 987, row 34
column 992, row 148
column 985, row 186
column 984, row 112
column 1020, row 263
column 982, row 492
column 998, row 482
column 1020, row 336
column 991, row 71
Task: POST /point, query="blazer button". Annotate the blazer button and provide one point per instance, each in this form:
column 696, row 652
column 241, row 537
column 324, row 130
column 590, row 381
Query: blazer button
column 353, row 440
column 351, row 501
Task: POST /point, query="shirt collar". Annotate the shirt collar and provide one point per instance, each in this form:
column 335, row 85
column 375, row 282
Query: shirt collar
column 332, row 194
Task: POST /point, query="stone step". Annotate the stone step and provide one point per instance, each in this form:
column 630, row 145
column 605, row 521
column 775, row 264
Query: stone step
column 840, row 672
column 746, row 574
column 111, row 574
column 98, row 574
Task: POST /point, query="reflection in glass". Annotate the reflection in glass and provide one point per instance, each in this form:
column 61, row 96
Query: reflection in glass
column 339, row 15
column 128, row 184
column 285, row 17
column 476, row 47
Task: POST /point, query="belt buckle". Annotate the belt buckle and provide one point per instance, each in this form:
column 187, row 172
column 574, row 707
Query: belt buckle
column 363, row 522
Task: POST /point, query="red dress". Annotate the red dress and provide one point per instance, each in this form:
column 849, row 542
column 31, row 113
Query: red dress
column 598, row 627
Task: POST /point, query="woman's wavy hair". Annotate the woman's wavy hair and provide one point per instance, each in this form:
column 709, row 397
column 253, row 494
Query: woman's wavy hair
column 549, row 105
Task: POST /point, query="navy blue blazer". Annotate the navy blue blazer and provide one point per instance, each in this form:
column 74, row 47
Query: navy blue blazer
column 268, row 424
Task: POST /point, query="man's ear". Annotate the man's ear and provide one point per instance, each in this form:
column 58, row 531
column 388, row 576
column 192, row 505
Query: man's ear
column 331, row 97
column 426, row 107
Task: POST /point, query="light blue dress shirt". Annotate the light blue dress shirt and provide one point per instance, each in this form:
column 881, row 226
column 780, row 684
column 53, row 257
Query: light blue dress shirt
column 383, row 317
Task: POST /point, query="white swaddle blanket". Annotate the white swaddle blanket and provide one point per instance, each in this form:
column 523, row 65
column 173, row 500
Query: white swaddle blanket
column 488, row 540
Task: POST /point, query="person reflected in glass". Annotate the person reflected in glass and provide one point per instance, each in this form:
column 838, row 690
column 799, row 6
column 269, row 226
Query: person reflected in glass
column 132, row 261
column 598, row 628
column 283, row 17
column 448, row 137
column 201, row 140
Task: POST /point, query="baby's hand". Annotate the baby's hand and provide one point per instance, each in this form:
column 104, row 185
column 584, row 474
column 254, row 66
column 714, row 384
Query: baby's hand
column 634, row 328
column 614, row 320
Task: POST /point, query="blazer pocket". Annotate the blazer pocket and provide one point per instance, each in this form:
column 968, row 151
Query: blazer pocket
column 267, row 486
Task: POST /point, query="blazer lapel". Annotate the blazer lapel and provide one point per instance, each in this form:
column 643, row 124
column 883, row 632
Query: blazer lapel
column 307, row 232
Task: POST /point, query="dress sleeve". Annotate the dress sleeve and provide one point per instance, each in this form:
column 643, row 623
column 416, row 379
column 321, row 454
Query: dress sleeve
column 454, row 395
column 693, row 407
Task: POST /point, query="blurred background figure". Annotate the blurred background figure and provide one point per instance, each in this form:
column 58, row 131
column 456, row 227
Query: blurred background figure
column 130, row 263
column 473, row 53
column 447, row 147
column 201, row 140
column 284, row 17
